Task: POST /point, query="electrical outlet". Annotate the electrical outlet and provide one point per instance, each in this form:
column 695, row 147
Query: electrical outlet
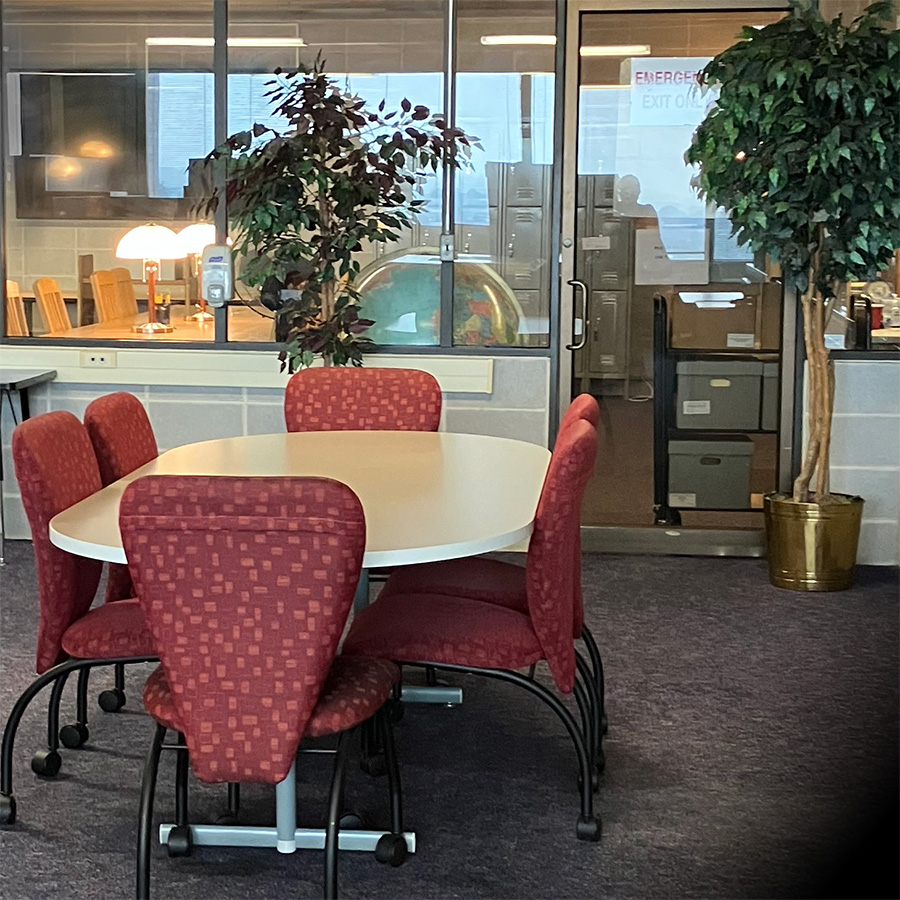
column 98, row 359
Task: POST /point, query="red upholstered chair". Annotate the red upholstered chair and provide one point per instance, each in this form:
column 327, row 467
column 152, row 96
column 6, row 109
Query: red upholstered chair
column 459, row 633
column 55, row 467
column 246, row 585
column 355, row 399
column 506, row 584
column 123, row 441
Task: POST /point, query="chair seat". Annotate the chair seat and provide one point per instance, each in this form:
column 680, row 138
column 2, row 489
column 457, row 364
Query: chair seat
column 111, row 631
column 356, row 688
column 476, row 577
column 444, row 629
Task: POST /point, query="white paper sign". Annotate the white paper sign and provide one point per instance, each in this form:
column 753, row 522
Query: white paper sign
column 743, row 341
column 599, row 242
column 664, row 91
column 682, row 500
column 652, row 264
column 695, row 407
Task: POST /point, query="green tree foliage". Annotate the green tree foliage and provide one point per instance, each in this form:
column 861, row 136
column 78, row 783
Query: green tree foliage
column 802, row 148
column 301, row 203
column 803, row 145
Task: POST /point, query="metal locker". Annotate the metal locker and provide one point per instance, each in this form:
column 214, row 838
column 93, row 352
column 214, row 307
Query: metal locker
column 582, row 258
column 480, row 240
column 604, row 189
column 524, row 248
column 611, row 267
column 531, row 304
column 427, row 236
column 608, row 334
column 494, row 173
column 524, row 184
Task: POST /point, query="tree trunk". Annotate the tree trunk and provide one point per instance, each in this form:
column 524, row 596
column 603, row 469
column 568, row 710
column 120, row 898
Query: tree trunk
column 811, row 458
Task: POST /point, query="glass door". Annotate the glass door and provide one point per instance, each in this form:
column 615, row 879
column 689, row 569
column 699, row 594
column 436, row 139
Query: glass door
column 655, row 289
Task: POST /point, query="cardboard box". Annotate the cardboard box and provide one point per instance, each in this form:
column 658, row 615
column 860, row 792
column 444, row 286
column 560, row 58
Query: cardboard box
column 752, row 322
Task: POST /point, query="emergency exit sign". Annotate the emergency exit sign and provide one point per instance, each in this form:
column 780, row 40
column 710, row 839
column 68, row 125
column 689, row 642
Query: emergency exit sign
column 665, row 91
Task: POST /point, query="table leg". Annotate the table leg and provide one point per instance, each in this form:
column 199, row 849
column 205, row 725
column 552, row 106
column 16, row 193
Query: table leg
column 285, row 837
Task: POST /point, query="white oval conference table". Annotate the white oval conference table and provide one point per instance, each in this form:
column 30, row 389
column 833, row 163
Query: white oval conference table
column 427, row 496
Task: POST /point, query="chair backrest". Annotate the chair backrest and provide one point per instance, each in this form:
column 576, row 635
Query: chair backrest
column 121, row 433
column 55, row 468
column 123, row 440
column 106, row 298
column 126, row 299
column 356, row 399
column 51, row 304
column 584, row 408
column 16, row 322
column 550, row 573
column 246, row 585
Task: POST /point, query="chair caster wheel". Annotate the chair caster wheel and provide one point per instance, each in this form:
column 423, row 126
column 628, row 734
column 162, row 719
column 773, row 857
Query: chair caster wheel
column 112, row 700
column 227, row 819
column 600, row 761
column 395, row 710
column 373, row 765
column 74, row 736
column 7, row 809
column 391, row 850
column 180, row 841
column 46, row 763
column 589, row 829
column 351, row 821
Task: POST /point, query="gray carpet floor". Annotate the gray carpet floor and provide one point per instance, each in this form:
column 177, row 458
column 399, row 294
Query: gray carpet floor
column 752, row 752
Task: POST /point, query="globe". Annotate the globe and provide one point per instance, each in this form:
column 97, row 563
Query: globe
column 401, row 292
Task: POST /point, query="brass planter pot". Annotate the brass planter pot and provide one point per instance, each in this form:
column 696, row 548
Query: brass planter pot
column 812, row 547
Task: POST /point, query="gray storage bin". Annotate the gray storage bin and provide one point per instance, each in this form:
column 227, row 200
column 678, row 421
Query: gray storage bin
column 717, row 396
column 710, row 474
column 770, row 393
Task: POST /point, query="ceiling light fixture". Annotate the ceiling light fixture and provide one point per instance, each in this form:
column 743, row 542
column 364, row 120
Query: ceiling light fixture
column 616, row 50
column 232, row 42
column 511, row 40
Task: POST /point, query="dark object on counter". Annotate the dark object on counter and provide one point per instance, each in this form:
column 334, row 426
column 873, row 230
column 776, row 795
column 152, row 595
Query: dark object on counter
column 861, row 315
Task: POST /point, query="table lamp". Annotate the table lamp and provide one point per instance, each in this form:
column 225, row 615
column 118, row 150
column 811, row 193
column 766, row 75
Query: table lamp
column 192, row 240
column 152, row 244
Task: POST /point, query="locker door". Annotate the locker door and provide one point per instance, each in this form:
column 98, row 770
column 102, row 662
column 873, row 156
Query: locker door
column 608, row 334
column 480, row 240
column 524, row 248
column 611, row 265
column 525, row 184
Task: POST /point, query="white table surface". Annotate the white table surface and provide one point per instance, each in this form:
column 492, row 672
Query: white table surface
column 427, row 496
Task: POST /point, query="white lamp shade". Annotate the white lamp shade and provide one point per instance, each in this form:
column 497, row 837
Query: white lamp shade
column 195, row 238
column 150, row 242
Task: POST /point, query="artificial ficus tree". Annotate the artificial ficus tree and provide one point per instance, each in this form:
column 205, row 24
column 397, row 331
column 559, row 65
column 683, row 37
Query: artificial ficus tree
column 303, row 200
column 803, row 150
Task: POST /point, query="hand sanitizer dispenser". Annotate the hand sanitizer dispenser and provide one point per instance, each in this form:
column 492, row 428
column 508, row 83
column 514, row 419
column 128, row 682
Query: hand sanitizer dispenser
column 217, row 285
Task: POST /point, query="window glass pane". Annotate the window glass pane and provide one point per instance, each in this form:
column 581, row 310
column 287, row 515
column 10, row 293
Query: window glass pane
column 393, row 52
column 110, row 110
column 505, row 90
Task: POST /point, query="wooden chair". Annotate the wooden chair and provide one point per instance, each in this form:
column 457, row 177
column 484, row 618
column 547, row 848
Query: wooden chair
column 125, row 292
column 106, row 298
column 16, row 322
column 51, row 305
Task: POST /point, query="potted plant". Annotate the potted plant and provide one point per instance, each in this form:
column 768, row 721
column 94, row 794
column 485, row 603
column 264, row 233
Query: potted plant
column 302, row 201
column 803, row 149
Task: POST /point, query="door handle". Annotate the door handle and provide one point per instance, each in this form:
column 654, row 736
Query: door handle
column 584, row 319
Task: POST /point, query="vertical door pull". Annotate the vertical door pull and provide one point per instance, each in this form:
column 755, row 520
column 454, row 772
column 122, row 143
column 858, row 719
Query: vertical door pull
column 580, row 342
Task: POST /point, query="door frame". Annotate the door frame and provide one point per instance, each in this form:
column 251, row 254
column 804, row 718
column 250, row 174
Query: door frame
column 651, row 539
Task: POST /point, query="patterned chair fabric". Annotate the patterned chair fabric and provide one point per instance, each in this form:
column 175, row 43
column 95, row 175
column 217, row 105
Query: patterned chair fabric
column 355, row 689
column 123, row 440
column 489, row 580
column 434, row 627
column 55, row 468
column 246, row 585
column 341, row 399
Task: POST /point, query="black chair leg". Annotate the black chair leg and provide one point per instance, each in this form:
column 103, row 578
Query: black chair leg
column 591, row 688
column 371, row 759
column 180, row 840
column 145, row 818
column 586, row 711
column 74, row 736
column 234, row 806
column 335, row 803
column 46, row 763
column 597, row 665
column 391, row 848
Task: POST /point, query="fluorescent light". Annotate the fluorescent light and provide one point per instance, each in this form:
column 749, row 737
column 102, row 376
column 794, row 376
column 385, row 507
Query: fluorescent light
column 616, row 50
column 510, row 40
column 232, row 42
column 605, row 87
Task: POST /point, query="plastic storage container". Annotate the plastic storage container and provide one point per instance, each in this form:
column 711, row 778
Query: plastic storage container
column 710, row 474
column 769, row 397
column 718, row 396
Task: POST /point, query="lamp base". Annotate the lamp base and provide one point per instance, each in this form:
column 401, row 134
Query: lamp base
column 200, row 316
column 153, row 328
